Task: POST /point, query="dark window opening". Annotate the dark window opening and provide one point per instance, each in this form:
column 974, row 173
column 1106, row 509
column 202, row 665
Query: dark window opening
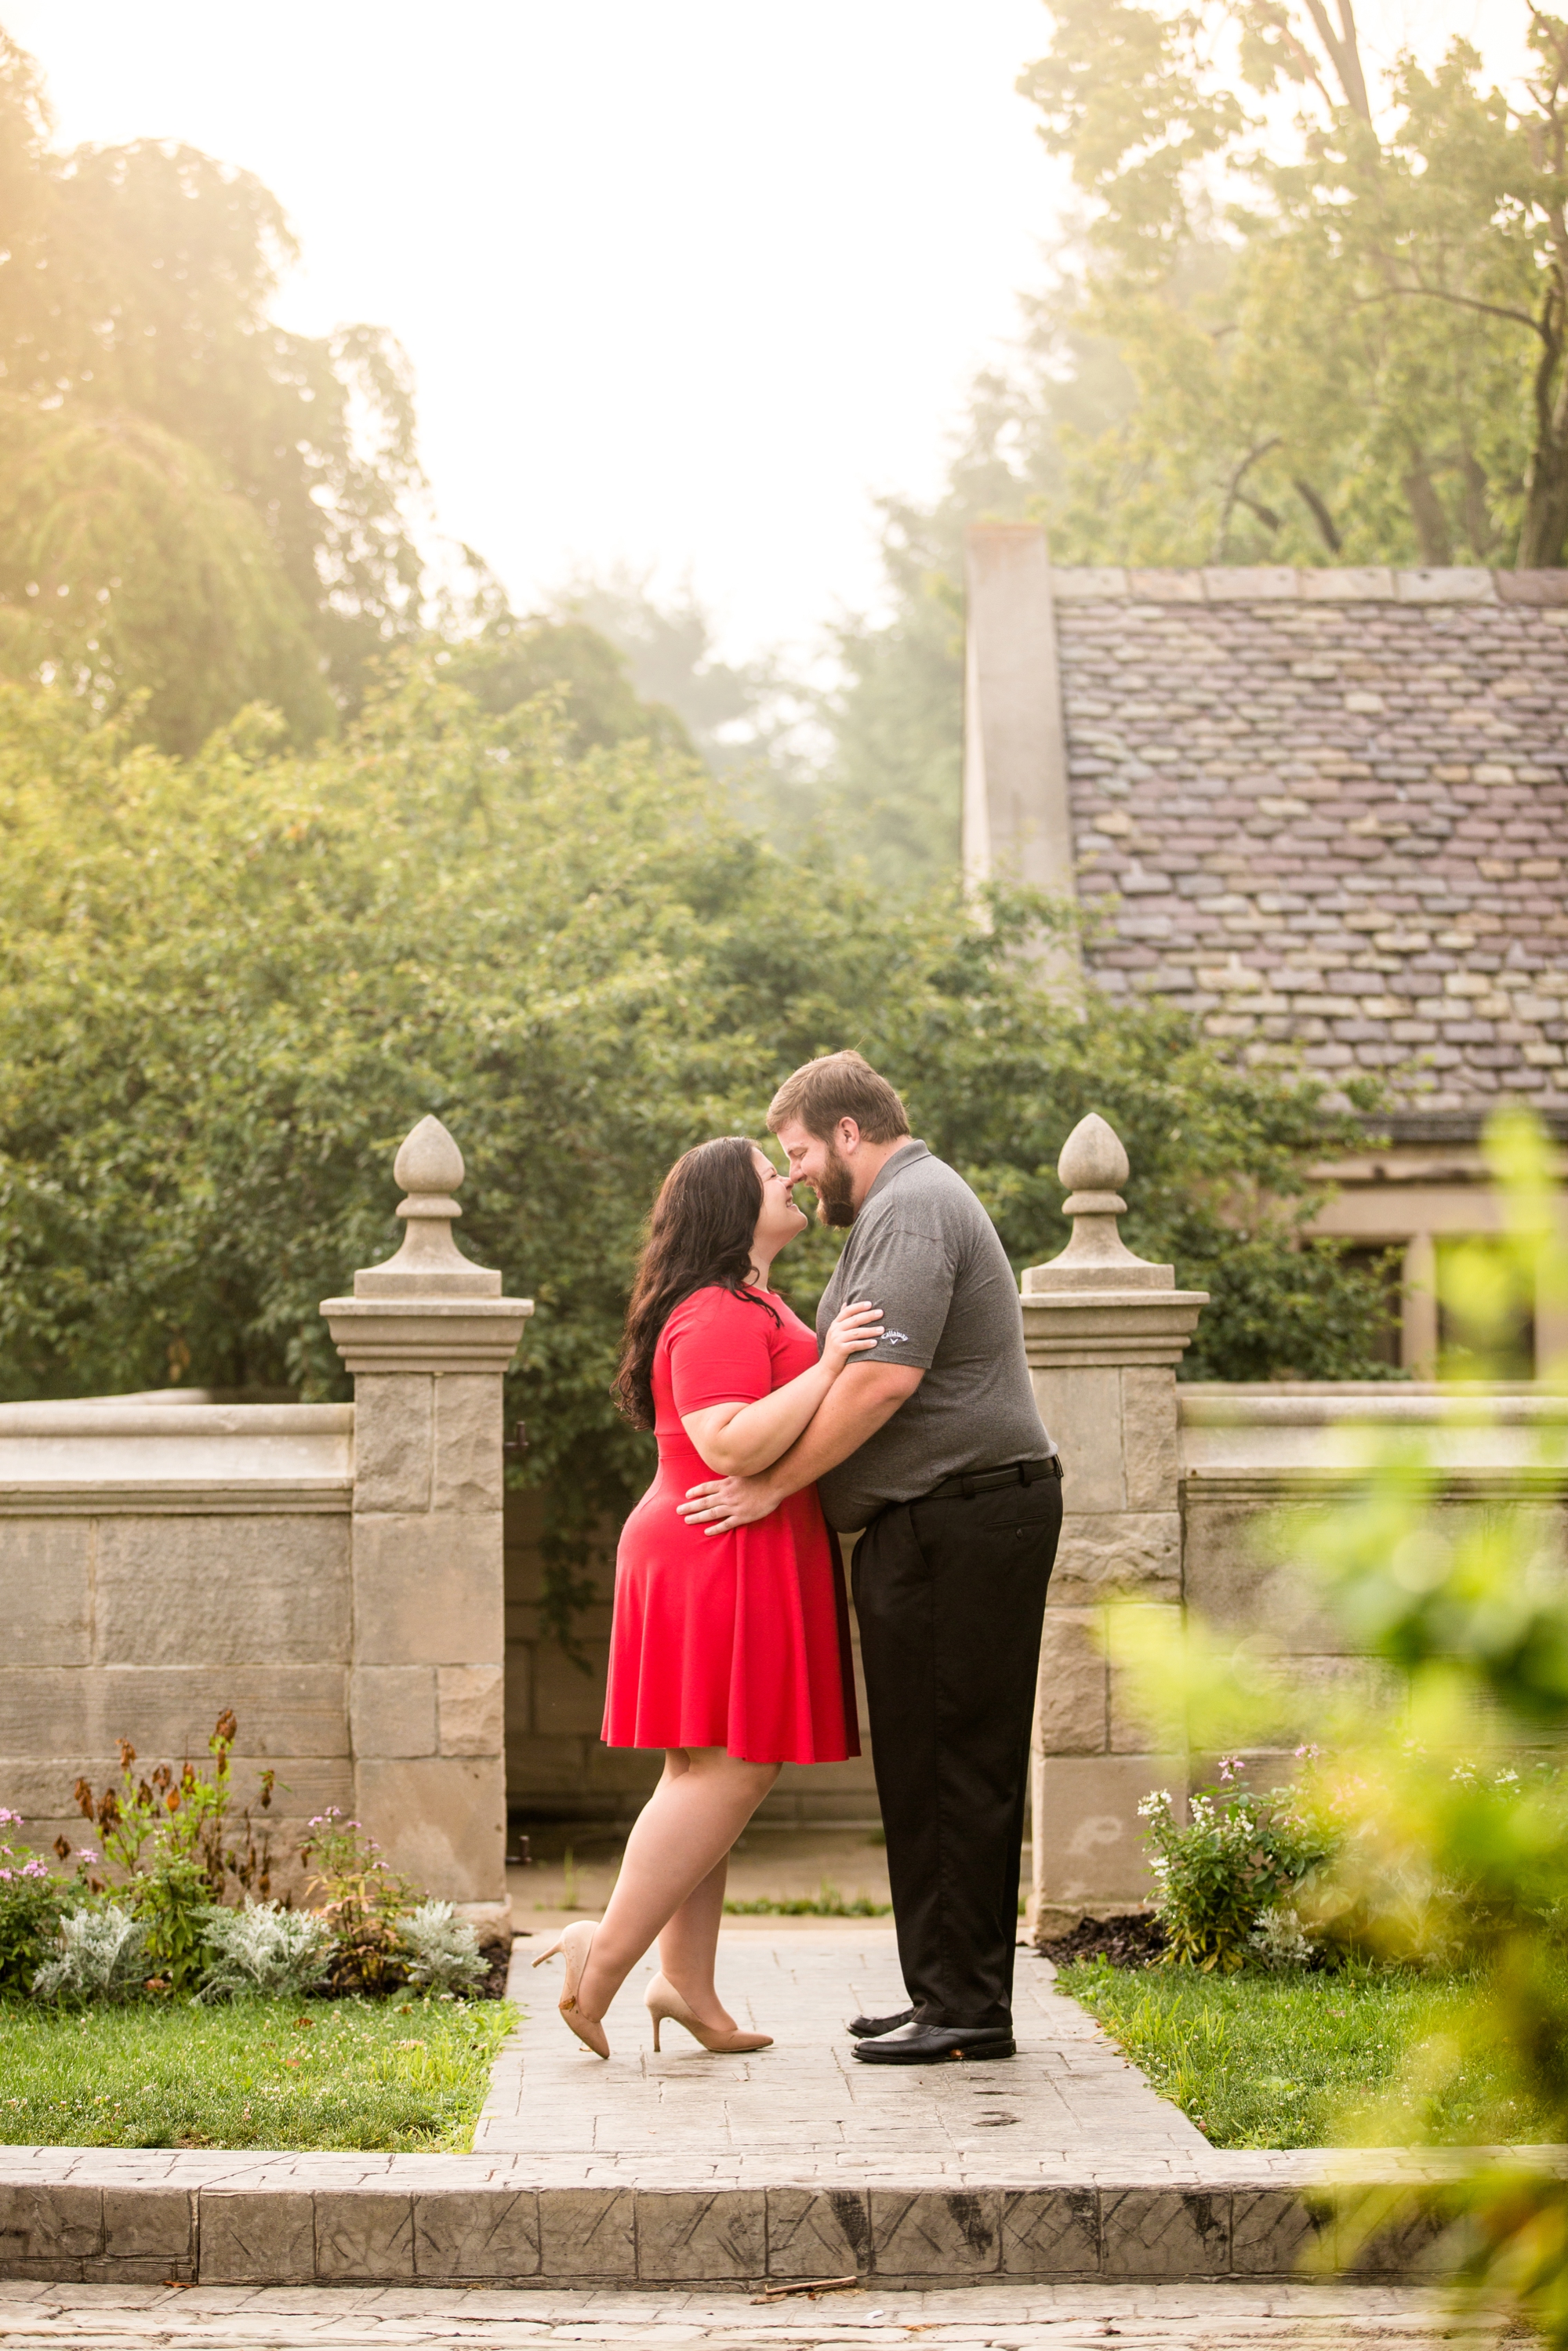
column 1386, row 1263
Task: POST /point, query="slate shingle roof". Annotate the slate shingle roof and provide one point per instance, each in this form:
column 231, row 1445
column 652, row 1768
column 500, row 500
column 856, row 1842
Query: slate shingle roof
column 1329, row 811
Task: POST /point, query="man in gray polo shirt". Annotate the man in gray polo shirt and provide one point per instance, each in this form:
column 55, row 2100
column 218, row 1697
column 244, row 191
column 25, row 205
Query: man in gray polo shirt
column 932, row 1444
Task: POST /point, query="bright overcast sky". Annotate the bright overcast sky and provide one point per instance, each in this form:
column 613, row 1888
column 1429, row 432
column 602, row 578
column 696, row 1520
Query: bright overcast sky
column 684, row 285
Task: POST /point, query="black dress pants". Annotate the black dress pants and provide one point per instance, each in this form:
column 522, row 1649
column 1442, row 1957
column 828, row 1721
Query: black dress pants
column 950, row 1596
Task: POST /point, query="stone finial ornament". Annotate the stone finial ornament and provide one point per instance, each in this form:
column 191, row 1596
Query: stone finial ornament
column 429, row 1308
column 1093, row 1165
column 1093, row 1160
column 428, row 1163
column 1098, row 1302
column 430, row 1264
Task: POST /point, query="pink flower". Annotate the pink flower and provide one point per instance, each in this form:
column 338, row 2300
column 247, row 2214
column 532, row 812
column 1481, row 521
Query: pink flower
column 1231, row 1767
column 84, row 1852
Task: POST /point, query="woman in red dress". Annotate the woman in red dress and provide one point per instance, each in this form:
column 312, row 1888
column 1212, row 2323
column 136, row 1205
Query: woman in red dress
column 731, row 1654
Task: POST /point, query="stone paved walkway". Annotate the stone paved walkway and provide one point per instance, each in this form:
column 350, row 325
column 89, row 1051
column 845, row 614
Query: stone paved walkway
column 806, row 2112
column 974, row 2318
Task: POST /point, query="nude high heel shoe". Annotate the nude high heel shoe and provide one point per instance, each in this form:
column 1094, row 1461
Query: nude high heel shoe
column 665, row 2006
column 574, row 1943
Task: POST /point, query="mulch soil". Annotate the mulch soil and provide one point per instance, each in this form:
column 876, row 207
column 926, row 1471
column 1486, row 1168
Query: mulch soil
column 497, row 1958
column 1134, row 1939
column 491, row 1984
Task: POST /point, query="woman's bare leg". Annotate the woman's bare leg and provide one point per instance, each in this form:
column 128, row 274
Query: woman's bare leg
column 689, row 1944
column 682, row 1833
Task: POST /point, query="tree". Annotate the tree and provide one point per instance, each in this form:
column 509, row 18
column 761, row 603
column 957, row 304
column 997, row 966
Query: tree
column 1361, row 356
column 753, row 725
column 126, row 566
column 667, row 647
column 135, row 284
column 512, row 660
column 895, row 774
column 229, row 986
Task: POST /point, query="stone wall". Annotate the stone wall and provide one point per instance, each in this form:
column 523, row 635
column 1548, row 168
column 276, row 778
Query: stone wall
column 158, row 1562
column 161, row 1561
column 1330, row 809
column 332, row 1574
column 1243, row 1455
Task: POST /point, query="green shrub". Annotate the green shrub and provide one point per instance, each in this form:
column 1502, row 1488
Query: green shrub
column 167, row 1832
column 623, row 968
column 363, row 1902
column 1228, row 1876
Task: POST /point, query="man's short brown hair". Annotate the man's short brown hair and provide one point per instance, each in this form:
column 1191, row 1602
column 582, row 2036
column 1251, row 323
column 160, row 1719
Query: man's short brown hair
column 839, row 1085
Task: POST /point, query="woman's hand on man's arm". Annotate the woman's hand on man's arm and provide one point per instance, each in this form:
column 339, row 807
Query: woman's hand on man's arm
column 740, row 1439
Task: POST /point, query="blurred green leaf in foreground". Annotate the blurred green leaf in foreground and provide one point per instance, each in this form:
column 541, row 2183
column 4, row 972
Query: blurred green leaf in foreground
column 1448, row 1774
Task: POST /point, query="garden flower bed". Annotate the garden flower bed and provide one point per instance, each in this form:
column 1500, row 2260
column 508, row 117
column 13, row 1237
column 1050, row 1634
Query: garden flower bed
column 179, row 1904
column 155, row 1993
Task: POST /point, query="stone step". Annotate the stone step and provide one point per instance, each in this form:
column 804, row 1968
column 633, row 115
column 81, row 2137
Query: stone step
column 129, row 2215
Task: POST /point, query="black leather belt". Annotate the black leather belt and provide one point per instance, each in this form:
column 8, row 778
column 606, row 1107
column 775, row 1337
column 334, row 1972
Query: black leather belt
column 970, row 1482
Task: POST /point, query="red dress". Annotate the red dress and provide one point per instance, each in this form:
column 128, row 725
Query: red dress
column 738, row 1641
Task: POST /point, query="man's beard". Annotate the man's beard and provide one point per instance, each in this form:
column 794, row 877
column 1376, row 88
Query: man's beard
column 836, row 1191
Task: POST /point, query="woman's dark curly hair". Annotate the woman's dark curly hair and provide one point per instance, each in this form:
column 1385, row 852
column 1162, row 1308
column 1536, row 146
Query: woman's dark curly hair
column 699, row 1233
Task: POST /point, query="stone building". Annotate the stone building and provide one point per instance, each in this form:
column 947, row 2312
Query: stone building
column 1327, row 812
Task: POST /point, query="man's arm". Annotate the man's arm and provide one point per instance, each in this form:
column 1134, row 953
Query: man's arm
column 863, row 1398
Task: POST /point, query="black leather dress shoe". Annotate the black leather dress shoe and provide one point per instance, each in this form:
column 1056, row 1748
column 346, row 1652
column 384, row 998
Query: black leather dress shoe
column 867, row 2027
column 937, row 2045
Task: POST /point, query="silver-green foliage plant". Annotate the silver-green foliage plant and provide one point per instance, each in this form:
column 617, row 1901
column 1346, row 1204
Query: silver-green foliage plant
column 263, row 1951
column 101, row 1955
column 443, row 1948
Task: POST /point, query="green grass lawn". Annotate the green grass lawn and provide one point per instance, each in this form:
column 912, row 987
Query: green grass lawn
column 283, row 2074
column 1297, row 2060
column 826, row 1903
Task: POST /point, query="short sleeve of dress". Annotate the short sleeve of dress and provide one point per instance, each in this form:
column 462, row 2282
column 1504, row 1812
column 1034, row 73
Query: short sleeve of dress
column 718, row 1351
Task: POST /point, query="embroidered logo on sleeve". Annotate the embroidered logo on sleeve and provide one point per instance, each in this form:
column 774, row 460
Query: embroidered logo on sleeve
column 896, row 1338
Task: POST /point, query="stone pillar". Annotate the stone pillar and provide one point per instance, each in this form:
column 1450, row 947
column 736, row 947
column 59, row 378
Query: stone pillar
column 1016, row 820
column 428, row 1337
column 1104, row 1332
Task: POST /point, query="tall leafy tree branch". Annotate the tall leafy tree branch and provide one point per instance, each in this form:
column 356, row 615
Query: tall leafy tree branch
column 150, row 405
column 1285, row 293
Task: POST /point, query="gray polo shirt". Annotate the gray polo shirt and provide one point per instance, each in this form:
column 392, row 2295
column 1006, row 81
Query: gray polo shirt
column 924, row 1250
